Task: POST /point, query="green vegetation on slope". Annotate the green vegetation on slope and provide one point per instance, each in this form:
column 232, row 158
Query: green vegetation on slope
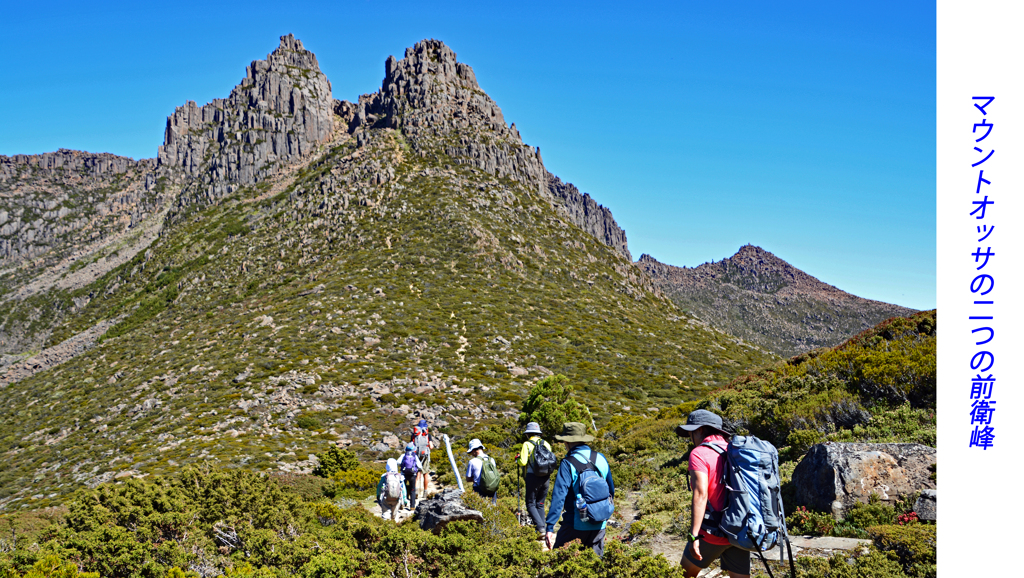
column 274, row 322
column 207, row 521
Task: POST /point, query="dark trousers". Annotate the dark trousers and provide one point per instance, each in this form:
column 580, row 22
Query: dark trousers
column 493, row 495
column 410, row 486
column 536, row 492
column 590, row 538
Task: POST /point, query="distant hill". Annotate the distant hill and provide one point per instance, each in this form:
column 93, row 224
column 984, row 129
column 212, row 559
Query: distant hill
column 762, row 299
column 317, row 272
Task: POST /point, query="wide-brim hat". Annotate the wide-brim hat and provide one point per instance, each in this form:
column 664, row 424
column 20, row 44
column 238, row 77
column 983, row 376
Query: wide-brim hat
column 574, row 432
column 700, row 418
column 532, row 427
column 474, row 444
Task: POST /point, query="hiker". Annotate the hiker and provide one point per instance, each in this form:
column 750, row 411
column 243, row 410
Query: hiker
column 582, row 471
column 391, row 493
column 482, row 470
column 424, row 441
column 537, row 467
column 709, row 495
column 411, row 466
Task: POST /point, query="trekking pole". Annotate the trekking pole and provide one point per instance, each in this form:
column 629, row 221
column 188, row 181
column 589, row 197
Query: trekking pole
column 519, row 507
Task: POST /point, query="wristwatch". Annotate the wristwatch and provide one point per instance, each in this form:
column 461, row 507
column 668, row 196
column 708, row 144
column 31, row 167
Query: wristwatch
column 691, row 537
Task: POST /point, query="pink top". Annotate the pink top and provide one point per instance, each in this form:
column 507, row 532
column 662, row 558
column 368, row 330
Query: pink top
column 707, row 460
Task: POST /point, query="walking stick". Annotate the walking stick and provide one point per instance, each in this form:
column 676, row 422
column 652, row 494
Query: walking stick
column 519, row 507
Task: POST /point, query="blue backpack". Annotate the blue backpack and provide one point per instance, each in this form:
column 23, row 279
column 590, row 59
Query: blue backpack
column 753, row 519
column 593, row 496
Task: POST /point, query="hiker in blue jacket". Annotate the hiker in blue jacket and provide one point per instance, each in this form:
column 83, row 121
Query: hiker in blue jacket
column 563, row 499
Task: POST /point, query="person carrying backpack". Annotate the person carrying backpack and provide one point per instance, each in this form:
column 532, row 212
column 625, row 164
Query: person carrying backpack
column 411, row 466
column 482, row 470
column 707, row 466
column 424, row 442
column 539, row 463
column 584, row 491
column 391, row 493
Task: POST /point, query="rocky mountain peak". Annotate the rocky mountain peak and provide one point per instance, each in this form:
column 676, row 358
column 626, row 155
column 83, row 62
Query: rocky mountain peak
column 437, row 103
column 276, row 115
column 429, row 59
column 761, row 298
column 430, row 93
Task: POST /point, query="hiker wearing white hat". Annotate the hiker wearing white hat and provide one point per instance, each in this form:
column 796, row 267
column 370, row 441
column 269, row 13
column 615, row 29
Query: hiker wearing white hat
column 482, row 470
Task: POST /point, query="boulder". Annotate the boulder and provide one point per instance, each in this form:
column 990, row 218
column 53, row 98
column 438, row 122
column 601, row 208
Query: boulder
column 833, row 476
column 925, row 506
column 444, row 507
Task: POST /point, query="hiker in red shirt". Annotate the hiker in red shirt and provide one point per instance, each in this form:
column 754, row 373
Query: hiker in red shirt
column 707, row 466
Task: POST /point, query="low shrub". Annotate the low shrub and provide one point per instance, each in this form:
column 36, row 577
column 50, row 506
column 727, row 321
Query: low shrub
column 335, row 460
column 354, row 483
column 912, row 545
column 808, row 522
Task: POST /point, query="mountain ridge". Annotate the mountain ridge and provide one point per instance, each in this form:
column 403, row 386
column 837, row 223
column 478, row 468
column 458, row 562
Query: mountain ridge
column 759, row 297
column 380, row 277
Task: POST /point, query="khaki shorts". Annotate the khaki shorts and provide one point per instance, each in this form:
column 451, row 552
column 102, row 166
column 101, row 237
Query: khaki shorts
column 425, row 460
column 733, row 559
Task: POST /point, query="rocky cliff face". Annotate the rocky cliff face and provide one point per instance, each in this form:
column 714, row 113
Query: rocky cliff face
column 52, row 203
column 584, row 211
column 277, row 115
column 438, row 105
column 763, row 299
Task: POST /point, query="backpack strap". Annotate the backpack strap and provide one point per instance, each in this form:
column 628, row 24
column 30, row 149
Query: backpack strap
column 718, row 449
column 582, row 466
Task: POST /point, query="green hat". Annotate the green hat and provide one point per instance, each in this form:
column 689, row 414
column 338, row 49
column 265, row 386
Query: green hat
column 574, row 432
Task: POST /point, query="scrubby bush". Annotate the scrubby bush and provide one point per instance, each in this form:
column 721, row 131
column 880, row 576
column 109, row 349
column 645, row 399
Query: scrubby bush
column 335, row 460
column 808, row 522
column 912, row 545
column 355, row 483
column 871, row 565
column 873, row 513
column 550, row 404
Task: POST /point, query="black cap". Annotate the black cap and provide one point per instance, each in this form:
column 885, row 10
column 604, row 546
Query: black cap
column 697, row 419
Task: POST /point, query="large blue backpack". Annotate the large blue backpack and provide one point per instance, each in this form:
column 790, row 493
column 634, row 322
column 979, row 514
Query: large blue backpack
column 753, row 519
column 592, row 493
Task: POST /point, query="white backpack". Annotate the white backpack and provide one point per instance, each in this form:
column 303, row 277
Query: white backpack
column 393, row 485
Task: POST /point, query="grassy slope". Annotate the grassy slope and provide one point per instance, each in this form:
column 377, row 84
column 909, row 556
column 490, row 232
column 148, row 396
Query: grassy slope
column 447, row 276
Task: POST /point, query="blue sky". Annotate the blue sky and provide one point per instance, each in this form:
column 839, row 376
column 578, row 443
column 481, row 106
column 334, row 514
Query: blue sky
column 807, row 129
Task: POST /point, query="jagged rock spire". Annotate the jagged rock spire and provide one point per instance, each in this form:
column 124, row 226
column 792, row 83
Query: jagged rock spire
column 279, row 113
